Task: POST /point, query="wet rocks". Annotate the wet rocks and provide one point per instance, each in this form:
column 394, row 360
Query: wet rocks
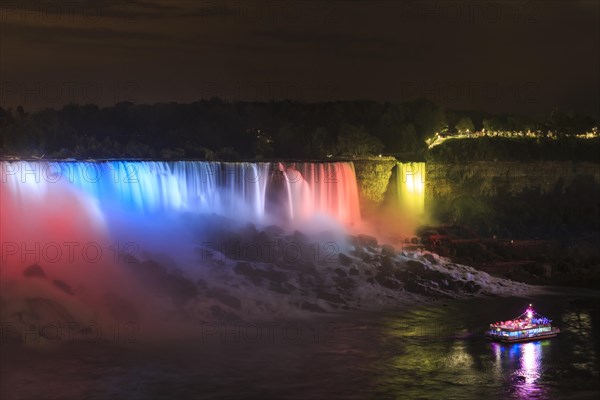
column 244, row 268
column 291, row 272
column 387, row 281
column 63, row 286
column 34, row 271
column 471, row 287
column 225, row 298
column 274, row 230
column 344, row 259
column 157, row 278
column 257, row 274
column 340, row 272
column 312, row 307
column 345, row 284
column 330, row 297
column 282, row 288
column 47, row 310
column 366, row 240
column 429, row 257
column 387, row 250
column 223, row 315
column 416, row 267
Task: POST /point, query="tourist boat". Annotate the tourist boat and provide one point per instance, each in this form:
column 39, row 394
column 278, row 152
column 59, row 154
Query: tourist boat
column 528, row 326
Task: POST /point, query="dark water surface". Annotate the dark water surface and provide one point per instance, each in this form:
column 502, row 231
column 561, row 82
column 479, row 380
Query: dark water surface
column 429, row 352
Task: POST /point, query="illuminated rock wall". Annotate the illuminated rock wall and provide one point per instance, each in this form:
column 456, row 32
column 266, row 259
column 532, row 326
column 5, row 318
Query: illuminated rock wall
column 536, row 199
column 503, row 177
column 373, row 177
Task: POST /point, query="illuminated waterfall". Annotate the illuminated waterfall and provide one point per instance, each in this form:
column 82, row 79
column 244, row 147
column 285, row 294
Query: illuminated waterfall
column 151, row 186
column 47, row 206
column 237, row 190
column 410, row 185
column 322, row 188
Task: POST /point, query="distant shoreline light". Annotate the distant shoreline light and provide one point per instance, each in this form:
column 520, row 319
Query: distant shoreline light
column 440, row 138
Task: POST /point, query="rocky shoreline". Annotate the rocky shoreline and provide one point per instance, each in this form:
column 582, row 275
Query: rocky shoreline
column 301, row 276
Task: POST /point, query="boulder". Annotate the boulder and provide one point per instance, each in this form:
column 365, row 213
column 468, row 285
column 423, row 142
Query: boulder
column 366, row 240
column 65, row 287
column 471, row 287
column 431, row 258
column 34, row 271
column 312, row 307
column 257, row 275
column 225, row 298
column 223, row 315
column 344, row 259
column 330, row 297
column 388, row 251
column 340, row 272
column 387, row 281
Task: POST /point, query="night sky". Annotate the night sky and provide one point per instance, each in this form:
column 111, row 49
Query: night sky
column 502, row 56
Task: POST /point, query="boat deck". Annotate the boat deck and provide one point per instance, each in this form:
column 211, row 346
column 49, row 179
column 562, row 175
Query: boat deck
column 528, row 326
column 524, row 337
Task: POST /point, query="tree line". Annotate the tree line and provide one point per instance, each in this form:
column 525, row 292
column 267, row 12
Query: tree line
column 214, row 129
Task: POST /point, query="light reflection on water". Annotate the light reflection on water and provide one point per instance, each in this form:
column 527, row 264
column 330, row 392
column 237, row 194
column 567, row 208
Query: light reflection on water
column 530, row 362
column 442, row 350
column 429, row 352
column 524, row 362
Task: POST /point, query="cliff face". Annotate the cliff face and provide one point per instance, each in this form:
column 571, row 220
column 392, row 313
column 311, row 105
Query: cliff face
column 373, row 176
column 491, row 179
column 536, row 199
column 509, row 198
column 556, row 201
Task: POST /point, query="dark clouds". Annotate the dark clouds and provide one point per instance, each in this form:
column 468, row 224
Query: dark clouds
column 523, row 56
column 58, row 33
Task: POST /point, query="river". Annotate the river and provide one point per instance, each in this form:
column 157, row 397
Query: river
column 432, row 351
